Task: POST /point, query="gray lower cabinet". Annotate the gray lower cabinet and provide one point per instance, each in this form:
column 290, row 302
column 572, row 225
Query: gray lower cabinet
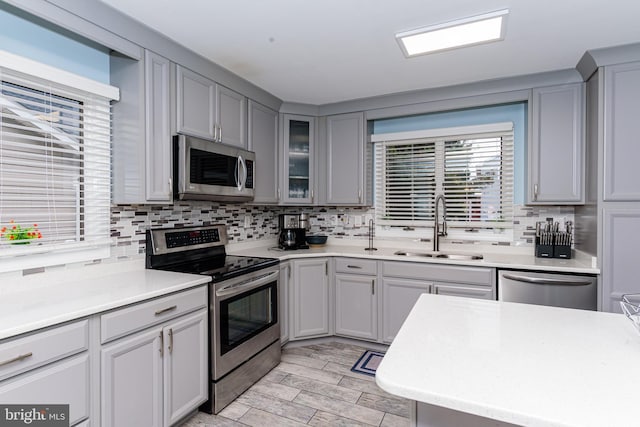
column 356, row 298
column 132, row 380
column 49, row 367
column 398, row 298
column 556, row 147
column 263, row 140
column 310, row 298
column 283, row 299
column 621, row 235
column 404, row 282
column 344, row 169
column 621, row 130
column 158, row 376
column 142, row 130
column 369, row 299
column 153, row 371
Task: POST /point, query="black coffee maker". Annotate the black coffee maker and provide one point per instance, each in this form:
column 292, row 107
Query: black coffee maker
column 293, row 234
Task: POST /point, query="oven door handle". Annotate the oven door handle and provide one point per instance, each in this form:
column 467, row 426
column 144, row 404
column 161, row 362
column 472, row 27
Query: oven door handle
column 241, row 287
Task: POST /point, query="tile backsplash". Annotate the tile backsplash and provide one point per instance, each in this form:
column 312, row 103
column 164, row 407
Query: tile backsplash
column 129, row 222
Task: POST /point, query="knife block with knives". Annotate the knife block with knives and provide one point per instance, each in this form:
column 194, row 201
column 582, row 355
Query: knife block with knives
column 551, row 242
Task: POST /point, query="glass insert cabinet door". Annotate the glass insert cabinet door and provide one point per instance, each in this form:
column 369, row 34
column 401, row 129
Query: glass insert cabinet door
column 299, row 159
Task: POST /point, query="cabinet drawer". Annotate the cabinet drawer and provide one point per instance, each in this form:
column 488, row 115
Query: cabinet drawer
column 441, row 273
column 44, row 347
column 64, row 382
column 128, row 320
column 356, row 266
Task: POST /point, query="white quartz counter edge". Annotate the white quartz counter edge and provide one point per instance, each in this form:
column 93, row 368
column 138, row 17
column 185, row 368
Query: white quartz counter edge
column 31, row 304
column 497, row 259
column 518, row 363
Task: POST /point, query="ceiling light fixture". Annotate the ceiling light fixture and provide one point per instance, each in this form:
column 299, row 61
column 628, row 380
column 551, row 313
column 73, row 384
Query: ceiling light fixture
column 485, row 28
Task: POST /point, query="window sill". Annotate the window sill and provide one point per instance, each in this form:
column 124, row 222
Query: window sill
column 28, row 259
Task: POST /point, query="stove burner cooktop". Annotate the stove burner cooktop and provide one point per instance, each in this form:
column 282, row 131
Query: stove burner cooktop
column 227, row 267
column 199, row 250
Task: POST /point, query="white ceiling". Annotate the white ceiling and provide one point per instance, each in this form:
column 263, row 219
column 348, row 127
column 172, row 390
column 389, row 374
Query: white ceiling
column 319, row 52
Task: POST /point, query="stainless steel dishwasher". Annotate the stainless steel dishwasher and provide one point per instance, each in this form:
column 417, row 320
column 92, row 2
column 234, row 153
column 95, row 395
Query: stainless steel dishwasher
column 554, row 289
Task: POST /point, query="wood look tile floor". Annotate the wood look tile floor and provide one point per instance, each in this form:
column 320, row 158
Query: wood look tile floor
column 313, row 385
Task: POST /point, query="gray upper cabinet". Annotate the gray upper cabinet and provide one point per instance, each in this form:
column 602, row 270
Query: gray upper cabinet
column 263, row 140
column 621, row 130
column 231, row 116
column 141, row 130
column 196, row 104
column 210, row 111
column 344, row 169
column 158, row 129
column 556, row 145
column 298, row 160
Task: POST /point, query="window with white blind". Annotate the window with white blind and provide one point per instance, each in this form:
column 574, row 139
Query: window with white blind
column 471, row 166
column 55, row 160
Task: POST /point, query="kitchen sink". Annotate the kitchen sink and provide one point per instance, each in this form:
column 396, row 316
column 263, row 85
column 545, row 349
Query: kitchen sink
column 444, row 255
column 464, row 257
column 422, row 254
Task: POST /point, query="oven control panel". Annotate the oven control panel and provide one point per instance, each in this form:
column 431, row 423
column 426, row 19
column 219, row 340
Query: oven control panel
column 191, row 237
column 169, row 240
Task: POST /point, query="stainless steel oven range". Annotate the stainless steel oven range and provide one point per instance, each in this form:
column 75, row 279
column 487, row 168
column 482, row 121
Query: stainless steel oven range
column 244, row 331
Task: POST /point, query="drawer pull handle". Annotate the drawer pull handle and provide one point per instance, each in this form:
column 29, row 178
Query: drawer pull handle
column 166, row 310
column 16, row 359
column 353, row 266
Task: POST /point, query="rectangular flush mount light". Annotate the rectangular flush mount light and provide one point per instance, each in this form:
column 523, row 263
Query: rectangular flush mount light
column 474, row 30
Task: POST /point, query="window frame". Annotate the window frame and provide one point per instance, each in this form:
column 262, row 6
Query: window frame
column 14, row 68
column 482, row 230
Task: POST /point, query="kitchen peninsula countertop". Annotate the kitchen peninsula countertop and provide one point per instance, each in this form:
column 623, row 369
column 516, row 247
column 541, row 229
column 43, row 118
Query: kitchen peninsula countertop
column 517, row 363
column 519, row 258
column 45, row 299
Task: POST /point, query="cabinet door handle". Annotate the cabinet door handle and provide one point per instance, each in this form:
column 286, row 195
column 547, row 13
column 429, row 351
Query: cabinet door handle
column 435, row 290
column 535, row 192
column 353, row 266
column 373, row 286
column 289, row 269
column 161, row 343
column 16, row 359
column 326, row 268
column 311, row 196
column 278, row 194
column 219, row 133
column 170, row 186
column 170, row 340
column 360, row 196
column 166, row 310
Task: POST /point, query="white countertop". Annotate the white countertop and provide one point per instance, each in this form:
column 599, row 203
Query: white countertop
column 46, row 299
column 518, row 363
column 494, row 256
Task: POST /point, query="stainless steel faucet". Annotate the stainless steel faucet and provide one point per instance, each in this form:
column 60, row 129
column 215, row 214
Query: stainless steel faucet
column 437, row 231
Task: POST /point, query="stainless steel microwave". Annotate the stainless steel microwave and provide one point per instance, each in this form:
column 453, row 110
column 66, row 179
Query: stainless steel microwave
column 206, row 170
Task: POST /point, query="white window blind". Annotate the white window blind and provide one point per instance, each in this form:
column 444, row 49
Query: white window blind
column 471, row 166
column 54, row 165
